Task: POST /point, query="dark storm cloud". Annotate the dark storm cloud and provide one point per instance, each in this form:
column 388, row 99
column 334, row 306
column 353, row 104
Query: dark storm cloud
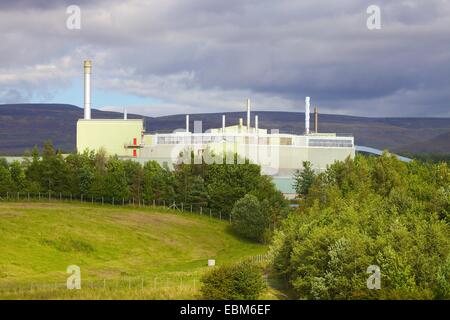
column 208, row 55
column 40, row 4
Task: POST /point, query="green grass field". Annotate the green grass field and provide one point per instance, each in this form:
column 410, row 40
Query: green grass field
column 123, row 252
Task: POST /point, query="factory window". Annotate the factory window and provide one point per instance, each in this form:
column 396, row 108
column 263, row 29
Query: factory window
column 340, row 143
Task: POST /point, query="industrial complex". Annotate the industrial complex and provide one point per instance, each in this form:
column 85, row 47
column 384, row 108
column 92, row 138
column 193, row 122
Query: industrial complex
column 279, row 154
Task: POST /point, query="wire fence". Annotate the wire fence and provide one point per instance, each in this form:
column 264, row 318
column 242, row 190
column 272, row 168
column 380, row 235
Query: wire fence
column 198, row 208
column 174, row 283
column 135, row 284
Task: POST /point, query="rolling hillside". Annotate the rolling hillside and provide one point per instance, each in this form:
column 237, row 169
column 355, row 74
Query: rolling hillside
column 433, row 145
column 126, row 252
column 24, row 125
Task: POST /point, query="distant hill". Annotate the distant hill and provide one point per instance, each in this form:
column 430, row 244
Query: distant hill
column 434, row 145
column 24, row 125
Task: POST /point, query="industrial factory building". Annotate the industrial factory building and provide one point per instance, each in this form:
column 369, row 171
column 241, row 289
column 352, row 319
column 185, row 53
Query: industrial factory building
column 278, row 154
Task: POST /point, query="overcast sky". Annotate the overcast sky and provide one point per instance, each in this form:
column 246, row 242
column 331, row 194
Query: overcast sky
column 159, row 57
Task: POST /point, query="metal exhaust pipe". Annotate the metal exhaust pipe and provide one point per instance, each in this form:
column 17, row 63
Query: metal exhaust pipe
column 307, row 106
column 87, row 89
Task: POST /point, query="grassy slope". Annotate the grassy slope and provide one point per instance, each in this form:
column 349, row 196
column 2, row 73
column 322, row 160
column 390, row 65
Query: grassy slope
column 39, row 240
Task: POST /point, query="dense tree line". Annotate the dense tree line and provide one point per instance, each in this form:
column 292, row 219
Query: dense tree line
column 214, row 186
column 369, row 211
column 429, row 157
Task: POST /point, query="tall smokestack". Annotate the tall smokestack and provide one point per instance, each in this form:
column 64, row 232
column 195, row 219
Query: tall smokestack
column 223, row 123
column 307, row 105
column 316, row 119
column 248, row 115
column 87, row 89
column 256, row 124
column 187, row 123
column 125, row 114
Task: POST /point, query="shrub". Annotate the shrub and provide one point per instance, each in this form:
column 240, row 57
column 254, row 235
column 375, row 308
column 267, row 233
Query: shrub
column 250, row 218
column 241, row 281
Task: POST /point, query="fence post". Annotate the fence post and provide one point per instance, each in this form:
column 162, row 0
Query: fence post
column 103, row 200
column 18, row 195
column 28, row 195
column 191, row 208
column 154, row 203
column 182, row 208
column 123, row 202
column 113, row 201
column 210, row 214
column 201, row 210
column 220, row 215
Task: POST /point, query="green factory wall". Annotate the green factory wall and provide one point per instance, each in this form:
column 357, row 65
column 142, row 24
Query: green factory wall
column 112, row 135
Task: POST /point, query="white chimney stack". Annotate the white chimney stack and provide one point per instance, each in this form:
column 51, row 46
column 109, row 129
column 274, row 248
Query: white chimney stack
column 223, row 123
column 307, row 105
column 187, row 123
column 87, row 89
column 125, row 114
column 248, row 115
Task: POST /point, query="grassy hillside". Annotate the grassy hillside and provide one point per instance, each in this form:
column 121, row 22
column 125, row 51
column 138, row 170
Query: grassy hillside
column 123, row 252
column 25, row 125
